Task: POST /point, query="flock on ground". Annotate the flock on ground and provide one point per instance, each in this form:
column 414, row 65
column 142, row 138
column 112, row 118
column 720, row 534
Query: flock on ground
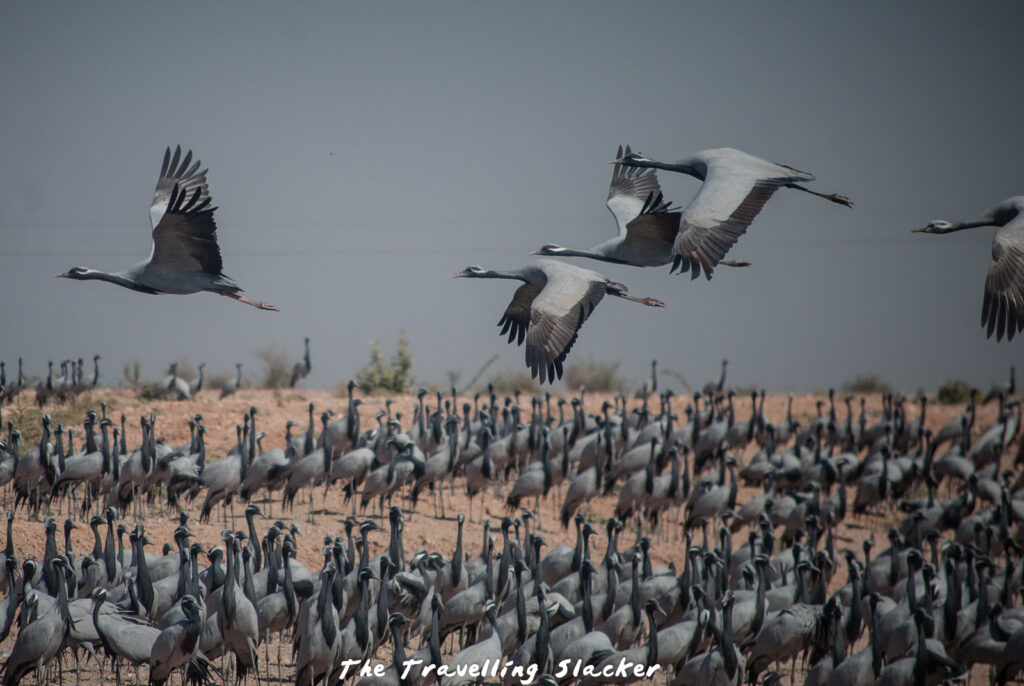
column 556, row 298
column 940, row 597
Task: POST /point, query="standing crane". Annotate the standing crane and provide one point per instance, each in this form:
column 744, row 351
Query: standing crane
column 301, row 369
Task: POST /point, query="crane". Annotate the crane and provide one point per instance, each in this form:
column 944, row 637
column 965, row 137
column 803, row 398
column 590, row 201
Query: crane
column 1002, row 309
column 736, row 187
column 550, row 307
column 185, row 257
column 647, row 223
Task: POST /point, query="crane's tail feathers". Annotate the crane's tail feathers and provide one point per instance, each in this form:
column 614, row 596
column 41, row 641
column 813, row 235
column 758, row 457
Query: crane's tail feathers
column 831, row 197
column 200, row 671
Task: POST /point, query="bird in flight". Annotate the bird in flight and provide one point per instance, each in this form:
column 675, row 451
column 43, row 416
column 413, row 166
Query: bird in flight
column 548, row 310
column 647, row 223
column 736, row 186
column 185, row 257
column 1002, row 309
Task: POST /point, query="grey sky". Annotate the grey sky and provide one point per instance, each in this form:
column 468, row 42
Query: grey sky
column 362, row 153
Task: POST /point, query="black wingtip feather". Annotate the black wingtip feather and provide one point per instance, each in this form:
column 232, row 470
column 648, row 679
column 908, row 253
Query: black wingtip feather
column 1001, row 320
column 174, row 160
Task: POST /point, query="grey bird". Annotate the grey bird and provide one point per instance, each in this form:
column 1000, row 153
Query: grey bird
column 736, row 186
column 232, row 385
column 122, row 638
column 177, row 645
column 40, row 640
column 301, row 369
column 185, row 257
column 1002, row 309
column 647, row 223
column 548, row 310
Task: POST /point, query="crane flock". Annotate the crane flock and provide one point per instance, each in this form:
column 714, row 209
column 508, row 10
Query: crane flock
column 802, row 593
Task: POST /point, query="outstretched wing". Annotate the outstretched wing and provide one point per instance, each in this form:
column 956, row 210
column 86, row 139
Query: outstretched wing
column 556, row 315
column 516, row 319
column 714, row 221
column 629, row 192
column 184, row 231
column 1002, row 310
column 654, row 230
column 736, row 188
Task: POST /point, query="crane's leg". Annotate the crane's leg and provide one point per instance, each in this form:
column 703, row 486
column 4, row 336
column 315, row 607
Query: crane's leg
column 280, row 678
column 831, row 197
column 255, row 303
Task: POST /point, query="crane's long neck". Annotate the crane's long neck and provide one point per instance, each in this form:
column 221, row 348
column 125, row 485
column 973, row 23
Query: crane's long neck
column 960, row 226
column 688, row 167
column 590, row 253
column 494, row 274
column 113, row 277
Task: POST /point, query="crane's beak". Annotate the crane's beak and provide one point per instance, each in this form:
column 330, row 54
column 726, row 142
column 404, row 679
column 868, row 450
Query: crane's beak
column 618, row 161
column 921, row 230
column 535, row 252
column 62, row 276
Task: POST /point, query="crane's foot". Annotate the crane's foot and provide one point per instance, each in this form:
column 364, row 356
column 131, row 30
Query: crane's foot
column 255, row 303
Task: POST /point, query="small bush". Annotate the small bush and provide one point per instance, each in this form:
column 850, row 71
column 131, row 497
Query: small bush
column 511, row 381
column 866, row 383
column 217, row 381
column 394, row 376
column 600, row 377
column 953, row 392
column 278, row 367
column 132, row 372
column 148, row 391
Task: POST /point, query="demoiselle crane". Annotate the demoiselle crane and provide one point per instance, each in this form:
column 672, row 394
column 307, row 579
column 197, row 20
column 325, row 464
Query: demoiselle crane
column 647, row 223
column 1002, row 310
column 185, row 257
column 548, row 310
column 736, row 186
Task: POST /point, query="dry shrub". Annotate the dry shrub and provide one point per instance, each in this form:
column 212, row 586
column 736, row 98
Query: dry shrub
column 867, row 383
column 218, row 380
column 133, row 373
column 600, row 377
column 511, row 381
column 393, row 376
column 953, row 392
column 277, row 371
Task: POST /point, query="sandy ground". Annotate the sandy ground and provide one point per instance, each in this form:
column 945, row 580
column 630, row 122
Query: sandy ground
column 422, row 529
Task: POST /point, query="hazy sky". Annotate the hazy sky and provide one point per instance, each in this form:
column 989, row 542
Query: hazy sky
column 362, row 153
